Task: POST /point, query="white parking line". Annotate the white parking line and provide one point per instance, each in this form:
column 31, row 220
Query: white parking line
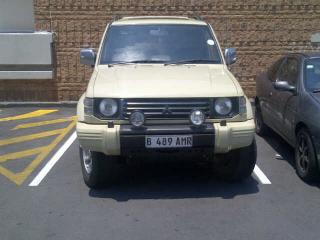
column 260, row 175
column 46, row 169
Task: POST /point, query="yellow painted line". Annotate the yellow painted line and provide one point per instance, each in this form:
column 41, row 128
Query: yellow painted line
column 30, row 137
column 21, row 154
column 33, row 114
column 7, row 173
column 19, row 178
column 37, row 124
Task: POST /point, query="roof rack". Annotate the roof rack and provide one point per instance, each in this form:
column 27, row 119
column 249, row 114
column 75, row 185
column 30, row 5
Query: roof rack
column 197, row 17
column 116, row 18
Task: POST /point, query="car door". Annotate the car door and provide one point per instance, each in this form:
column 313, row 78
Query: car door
column 271, row 116
column 286, row 108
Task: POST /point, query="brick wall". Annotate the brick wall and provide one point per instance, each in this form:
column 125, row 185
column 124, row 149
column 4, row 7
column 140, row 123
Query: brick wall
column 260, row 30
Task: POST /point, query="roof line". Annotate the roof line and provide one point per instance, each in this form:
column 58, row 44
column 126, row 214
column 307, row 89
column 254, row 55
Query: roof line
column 199, row 18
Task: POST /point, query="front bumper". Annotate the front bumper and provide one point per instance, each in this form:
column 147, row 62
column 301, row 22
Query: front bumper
column 115, row 140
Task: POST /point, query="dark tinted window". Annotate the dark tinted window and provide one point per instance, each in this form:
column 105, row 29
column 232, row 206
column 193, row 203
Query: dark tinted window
column 289, row 71
column 312, row 74
column 159, row 43
column 273, row 70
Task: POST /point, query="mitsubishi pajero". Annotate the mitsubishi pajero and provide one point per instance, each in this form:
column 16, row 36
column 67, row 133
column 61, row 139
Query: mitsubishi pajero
column 162, row 84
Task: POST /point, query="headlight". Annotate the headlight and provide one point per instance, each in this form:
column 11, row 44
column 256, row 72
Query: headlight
column 137, row 119
column 223, row 106
column 108, row 107
column 197, row 117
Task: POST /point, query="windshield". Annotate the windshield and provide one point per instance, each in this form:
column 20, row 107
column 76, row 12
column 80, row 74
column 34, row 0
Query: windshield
column 159, row 44
column 312, row 74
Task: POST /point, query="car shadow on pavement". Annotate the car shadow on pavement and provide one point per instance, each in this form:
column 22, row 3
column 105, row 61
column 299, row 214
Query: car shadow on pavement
column 172, row 180
column 285, row 151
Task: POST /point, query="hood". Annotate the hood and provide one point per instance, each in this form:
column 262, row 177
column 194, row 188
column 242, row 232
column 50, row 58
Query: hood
column 158, row 81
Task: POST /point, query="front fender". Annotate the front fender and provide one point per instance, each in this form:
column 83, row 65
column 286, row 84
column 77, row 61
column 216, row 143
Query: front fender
column 80, row 109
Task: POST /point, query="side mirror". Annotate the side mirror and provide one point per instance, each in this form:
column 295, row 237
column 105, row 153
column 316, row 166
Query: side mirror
column 230, row 55
column 87, row 56
column 284, row 86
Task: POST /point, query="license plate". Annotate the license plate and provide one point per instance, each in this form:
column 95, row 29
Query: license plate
column 171, row 141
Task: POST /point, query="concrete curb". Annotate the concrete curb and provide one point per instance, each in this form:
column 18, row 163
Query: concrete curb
column 70, row 104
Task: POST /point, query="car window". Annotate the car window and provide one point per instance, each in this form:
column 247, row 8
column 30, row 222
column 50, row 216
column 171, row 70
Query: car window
column 273, row 70
column 289, row 71
column 159, row 43
column 312, row 74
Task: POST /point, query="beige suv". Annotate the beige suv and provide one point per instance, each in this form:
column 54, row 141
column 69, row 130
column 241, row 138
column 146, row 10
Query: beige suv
column 162, row 84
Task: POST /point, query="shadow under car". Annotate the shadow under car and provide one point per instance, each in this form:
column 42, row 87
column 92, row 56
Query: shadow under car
column 172, row 179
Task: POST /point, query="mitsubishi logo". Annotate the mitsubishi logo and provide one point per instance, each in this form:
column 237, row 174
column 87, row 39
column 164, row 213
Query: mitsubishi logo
column 166, row 110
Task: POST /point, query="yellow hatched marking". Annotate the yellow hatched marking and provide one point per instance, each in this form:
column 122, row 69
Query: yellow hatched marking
column 33, row 114
column 37, row 124
column 8, row 174
column 20, row 177
column 30, row 137
column 21, row 154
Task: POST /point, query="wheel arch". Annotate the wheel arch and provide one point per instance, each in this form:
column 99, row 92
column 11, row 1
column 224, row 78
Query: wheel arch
column 299, row 126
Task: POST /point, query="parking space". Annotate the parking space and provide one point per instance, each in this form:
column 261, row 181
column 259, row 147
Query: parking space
column 28, row 137
column 158, row 200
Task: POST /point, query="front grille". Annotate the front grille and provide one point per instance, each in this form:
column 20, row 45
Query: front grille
column 165, row 108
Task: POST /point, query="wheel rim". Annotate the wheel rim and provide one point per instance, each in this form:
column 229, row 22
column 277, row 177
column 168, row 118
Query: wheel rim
column 87, row 160
column 303, row 153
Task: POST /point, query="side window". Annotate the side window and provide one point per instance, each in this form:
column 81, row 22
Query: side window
column 289, row 71
column 273, row 70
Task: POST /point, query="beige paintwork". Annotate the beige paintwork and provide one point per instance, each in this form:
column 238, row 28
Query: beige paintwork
column 159, row 81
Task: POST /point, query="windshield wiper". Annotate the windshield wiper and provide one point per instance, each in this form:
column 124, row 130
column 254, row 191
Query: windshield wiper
column 119, row 63
column 166, row 63
column 316, row 90
column 192, row 61
column 135, row 62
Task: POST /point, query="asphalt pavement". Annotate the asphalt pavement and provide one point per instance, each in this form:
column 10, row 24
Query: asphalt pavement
column 43, row 196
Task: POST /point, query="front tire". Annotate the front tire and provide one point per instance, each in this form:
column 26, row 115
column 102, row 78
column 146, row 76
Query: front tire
column 305, row 157
column 236, row 165
column 97, row 168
